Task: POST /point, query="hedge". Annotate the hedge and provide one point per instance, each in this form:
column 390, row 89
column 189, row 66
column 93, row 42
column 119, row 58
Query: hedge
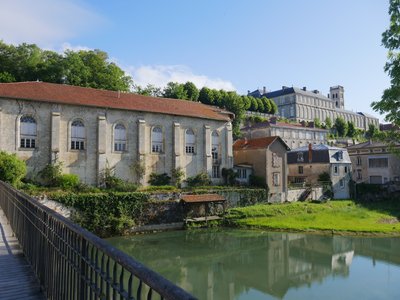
column 104, row 214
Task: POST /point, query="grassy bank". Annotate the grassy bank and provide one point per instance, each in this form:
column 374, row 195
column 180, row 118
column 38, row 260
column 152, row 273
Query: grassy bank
column 341, row 216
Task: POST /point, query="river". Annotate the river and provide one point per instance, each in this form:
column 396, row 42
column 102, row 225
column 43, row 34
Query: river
column 247, row 264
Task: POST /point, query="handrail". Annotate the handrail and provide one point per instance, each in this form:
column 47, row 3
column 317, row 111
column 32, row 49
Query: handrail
column 72, row 263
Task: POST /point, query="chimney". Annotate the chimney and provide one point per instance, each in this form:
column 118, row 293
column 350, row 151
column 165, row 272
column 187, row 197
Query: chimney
column 246, row 141
column 248, row 92
column 119, row 94
column 264, row 90
column 309, row 152
column 304, row 88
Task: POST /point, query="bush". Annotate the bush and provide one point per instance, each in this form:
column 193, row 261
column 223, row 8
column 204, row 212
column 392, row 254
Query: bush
column 229, row 176
column 159, row 179
column 257, row 181
column 12, row 169
column 50, row 174
column 68, row 181
column 200, row 179
column 104, row 214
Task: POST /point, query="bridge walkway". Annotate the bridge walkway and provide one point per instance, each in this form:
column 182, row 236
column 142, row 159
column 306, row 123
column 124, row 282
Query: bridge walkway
column 17, row 279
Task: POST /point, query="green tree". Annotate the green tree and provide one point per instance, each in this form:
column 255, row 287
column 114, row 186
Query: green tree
column 267, row 105
column 274, row 107
column 206, row 96
column 390, row 102
column 260, row 105
column 192, row 91
column 27, row 62
column 372, row 131
column 317, row 123
column 12, row 169
column 328, row 123
column 175, row 90
column 351, row 129
column 149, row 90
column 341, row 126
column 254, row 104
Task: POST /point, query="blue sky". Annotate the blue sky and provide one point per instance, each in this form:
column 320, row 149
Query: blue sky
column 240, row 45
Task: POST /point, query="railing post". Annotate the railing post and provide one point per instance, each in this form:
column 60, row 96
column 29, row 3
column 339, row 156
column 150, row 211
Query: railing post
column 82, row 268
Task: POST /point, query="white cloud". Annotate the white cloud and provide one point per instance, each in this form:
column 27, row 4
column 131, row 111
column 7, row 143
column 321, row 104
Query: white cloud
column 160, row 75
column 44, row 22
column 68, row 46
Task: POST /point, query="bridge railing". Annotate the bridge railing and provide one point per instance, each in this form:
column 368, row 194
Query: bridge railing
column 72, row 263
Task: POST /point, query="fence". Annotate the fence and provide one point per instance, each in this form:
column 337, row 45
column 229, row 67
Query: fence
column 72, row 263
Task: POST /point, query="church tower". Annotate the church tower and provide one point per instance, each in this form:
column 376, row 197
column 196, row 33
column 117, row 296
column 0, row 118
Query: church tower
column 337, row 94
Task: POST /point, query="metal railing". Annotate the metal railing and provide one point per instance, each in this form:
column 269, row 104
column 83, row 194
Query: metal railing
column 72, row 263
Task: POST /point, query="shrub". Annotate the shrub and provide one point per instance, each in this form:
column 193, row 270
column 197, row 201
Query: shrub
column 159, row 179
column 229, row 176
column 177, row 176
column 324, row 177
column 49, row 175
column 68, row 181
column 104, row 214
column 257, row 181
column 12, row 169
column 200, row 179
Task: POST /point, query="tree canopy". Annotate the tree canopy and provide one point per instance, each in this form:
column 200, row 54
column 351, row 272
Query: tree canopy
column 91, row 68
column 341, row 126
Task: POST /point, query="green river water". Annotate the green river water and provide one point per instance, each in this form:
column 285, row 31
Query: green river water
column 244, row 264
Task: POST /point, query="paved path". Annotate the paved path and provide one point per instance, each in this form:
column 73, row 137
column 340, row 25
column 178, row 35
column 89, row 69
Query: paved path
column 17, row 280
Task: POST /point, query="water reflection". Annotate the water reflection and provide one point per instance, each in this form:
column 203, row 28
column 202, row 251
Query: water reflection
column 231, row 264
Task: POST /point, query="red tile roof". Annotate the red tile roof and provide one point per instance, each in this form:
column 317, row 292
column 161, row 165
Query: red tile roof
column 202, row 198
column 258, row 143
column 68, row 94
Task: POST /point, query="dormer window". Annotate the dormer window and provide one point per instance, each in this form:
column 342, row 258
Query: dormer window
column 340, row 155
column 300, row 157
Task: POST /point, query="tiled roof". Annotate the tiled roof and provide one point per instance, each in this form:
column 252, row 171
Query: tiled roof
column 202, row 198
column 68, row 94
column 316, row 147
column 257, row 143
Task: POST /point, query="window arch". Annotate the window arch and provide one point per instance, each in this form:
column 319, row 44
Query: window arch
column 157, row 140
column 78, row 135
column 190, row 141
column 119, row 137
column 28, row 132
column 215, row 145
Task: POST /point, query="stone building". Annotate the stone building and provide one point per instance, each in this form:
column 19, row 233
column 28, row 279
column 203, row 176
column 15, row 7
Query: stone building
column 300, row 104
column 89, row 130
column 267, row 156
column 307, row 163
column 294, row 135
column 374, row 163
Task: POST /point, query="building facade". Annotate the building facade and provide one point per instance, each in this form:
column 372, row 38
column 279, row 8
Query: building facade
column 307, row 163
column 267, row 156
column 374, row 163
column 89, row 130
column 301, row 104
column 294, row 135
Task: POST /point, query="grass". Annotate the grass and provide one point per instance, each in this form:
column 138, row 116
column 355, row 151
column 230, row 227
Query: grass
column 341, row 216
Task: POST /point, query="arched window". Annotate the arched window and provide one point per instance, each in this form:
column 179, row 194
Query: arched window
column 78, row 135
column 157, row 140
column 190, row 140
column 28, row 132
column 119, row 137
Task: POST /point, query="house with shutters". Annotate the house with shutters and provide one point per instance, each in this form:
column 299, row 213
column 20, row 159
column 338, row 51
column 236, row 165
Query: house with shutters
column 89, row 130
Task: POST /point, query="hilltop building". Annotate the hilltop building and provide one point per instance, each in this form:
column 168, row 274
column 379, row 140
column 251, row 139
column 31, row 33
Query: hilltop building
column 300, row 104
column 308, row 162
column 89, row 130
column 293, row 134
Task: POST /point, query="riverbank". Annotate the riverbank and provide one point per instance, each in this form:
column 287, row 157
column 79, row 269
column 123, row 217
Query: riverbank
column 341, row 217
